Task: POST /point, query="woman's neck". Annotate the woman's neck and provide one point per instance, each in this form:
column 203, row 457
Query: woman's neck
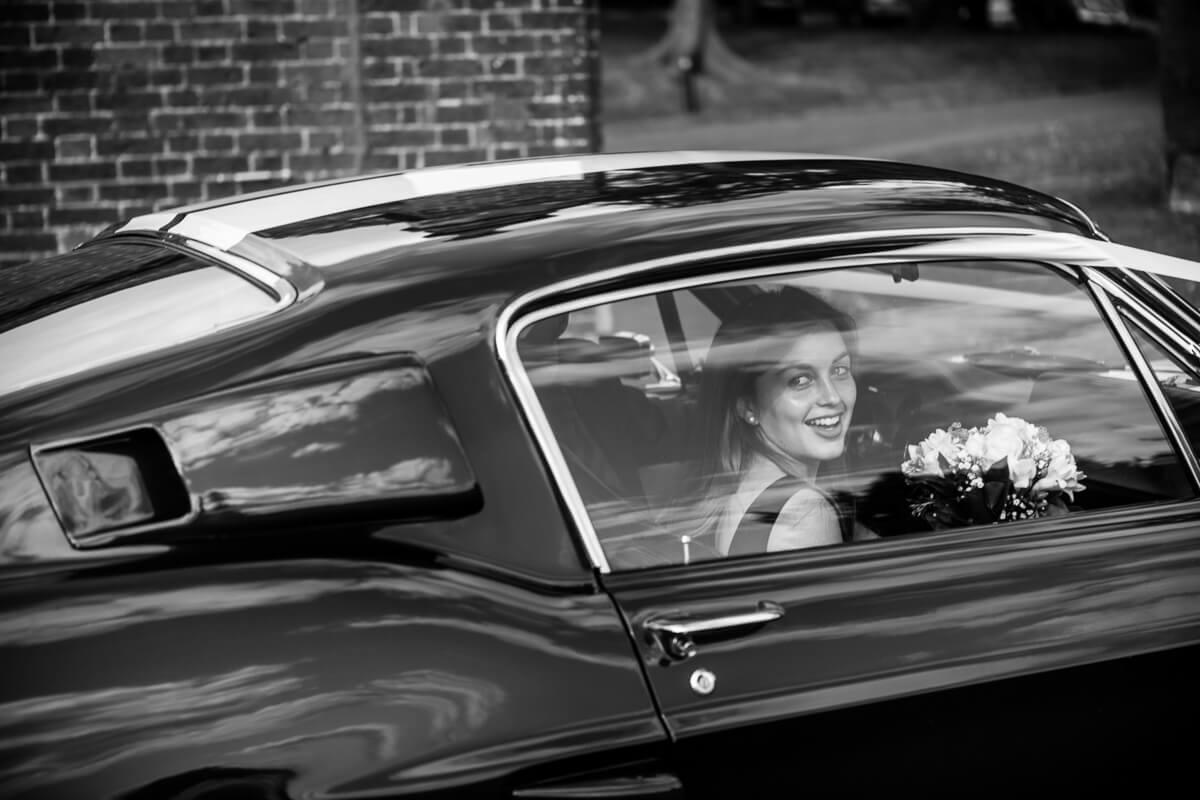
column 762, row 468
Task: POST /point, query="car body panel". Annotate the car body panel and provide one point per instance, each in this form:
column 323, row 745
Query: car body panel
column 340, row 665
column 475, row 645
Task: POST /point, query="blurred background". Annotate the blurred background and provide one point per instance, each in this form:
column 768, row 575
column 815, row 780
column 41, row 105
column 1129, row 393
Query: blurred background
column 112, row 108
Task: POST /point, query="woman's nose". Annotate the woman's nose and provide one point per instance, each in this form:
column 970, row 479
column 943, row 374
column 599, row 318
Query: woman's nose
column 829, row 395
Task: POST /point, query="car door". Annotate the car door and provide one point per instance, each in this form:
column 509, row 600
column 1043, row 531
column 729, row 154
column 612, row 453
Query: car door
column 1053, row 650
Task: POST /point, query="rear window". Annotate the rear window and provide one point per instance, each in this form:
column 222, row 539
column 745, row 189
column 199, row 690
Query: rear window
column 105, row 303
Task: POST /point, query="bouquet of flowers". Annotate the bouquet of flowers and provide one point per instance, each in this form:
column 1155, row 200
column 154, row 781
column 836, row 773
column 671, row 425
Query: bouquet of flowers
column 1008, row 470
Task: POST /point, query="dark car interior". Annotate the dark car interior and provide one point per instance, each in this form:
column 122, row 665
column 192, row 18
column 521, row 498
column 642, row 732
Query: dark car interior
column 631, row 452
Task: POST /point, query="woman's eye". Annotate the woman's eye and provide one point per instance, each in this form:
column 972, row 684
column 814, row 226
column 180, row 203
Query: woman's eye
column 841, row 371
column 801, row 381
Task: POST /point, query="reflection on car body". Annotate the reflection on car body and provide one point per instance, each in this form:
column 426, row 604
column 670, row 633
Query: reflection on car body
column 429, row 507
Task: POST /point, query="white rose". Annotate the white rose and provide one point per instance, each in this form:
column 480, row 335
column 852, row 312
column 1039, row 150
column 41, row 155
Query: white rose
column 1002, row 440
column 921, row 462
column 940, row 442
column 1022, row 470
column 1061, row 475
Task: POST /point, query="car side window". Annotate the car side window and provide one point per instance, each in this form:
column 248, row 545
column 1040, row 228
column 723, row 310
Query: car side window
column 1179, row 383
column 846, row 405
column 108, row 302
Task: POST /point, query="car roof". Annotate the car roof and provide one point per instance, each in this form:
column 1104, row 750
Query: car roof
column 611, row 201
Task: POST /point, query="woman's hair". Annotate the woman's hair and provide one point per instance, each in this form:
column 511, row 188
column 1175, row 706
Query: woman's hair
column 731, row 368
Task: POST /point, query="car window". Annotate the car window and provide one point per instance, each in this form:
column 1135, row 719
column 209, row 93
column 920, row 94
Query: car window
column 106, row 303
column 1179, row 383
column 848, row 405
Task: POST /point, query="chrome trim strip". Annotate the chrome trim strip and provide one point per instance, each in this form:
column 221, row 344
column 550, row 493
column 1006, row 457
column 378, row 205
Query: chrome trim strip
column 947, row 244
column 1146, row 374
column 1156, row 285
column 110, row 536
column 1163, row 328
column 283, row 290
column 682, row 626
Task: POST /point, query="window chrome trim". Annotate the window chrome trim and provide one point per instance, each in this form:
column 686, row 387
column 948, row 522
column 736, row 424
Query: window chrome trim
column 1161, row 327
column 285, row 293
column 1145, row 373
column 925, row 244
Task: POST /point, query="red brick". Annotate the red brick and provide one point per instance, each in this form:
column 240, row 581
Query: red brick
column 435, row 158
column 73, row 102
column 209, row 8
column 26, row 242
column 82, row 214
column 16, row 127
column 213, row 75
column 27, row 11
column 213, row 165
column 217, row 142
column 35, row 196
column 170, row 166
column 451, row 68
column 81, row 146
column 123, row 9
column 23, row 173
column 94, row 171
column 27, row 219
column 82, row 33
column 57, row 126
column 141, row 192
column 218, row 30
column 131, row 168
column 290, row 140
column 18, row 81
column 454, row 137
column 508, row 43
column 127, row 145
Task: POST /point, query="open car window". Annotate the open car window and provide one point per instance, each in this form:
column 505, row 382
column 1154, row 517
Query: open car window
column 846, row 405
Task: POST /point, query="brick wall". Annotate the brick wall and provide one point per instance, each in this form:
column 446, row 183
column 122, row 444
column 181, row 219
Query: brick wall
column 112, row 108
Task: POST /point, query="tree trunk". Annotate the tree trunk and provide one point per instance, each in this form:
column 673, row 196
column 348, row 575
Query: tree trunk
column 693, row 48
column 1180, row 81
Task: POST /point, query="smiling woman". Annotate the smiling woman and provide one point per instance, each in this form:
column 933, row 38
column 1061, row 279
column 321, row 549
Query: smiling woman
column 776, row 401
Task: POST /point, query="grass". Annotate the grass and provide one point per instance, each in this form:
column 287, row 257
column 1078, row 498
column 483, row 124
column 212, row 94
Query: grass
column 872, row 67
column 1117, row 176
column 1115, row 173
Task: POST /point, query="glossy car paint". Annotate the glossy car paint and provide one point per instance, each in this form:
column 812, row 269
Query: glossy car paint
column 959, row 621
column 368, row 656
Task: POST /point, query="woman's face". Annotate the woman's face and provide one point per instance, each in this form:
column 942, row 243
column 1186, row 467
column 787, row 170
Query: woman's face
column 803, row 403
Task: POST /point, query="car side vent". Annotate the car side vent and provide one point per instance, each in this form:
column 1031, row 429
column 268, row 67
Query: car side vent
column 123, row 482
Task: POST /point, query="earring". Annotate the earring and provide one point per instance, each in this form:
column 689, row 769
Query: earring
column 751, row 418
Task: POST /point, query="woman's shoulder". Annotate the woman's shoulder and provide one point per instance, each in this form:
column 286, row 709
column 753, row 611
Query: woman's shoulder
column 807, row 500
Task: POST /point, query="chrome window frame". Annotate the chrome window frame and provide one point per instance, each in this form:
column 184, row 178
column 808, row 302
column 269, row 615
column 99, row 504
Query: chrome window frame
column 1072, row 254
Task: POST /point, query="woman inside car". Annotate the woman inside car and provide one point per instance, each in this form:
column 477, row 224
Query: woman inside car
column 776, row 399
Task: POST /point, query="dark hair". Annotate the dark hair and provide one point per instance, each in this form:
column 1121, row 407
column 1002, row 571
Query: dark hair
column 730, row 371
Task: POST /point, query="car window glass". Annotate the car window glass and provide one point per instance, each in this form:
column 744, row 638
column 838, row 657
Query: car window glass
column 1180, row 384
column 796, row 428
column 117, row 302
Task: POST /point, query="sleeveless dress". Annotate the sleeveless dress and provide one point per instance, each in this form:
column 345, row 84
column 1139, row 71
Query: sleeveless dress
column 754, row 528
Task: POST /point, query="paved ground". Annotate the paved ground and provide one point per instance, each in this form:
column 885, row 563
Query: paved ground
column 891, row 133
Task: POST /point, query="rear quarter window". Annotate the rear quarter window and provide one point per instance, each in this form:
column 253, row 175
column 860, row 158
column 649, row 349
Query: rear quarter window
column 109, row 302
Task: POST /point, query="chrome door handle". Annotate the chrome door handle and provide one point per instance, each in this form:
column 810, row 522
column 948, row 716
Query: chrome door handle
column 677, row 635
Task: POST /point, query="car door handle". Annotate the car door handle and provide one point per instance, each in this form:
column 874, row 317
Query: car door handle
column 676, row 635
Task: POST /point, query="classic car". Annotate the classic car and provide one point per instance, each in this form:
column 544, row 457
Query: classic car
column 354, row 490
